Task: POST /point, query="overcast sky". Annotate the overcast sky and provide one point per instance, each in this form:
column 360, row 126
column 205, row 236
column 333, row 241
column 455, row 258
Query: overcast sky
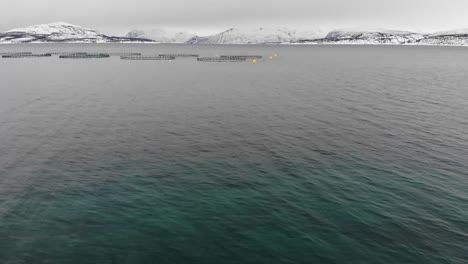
column 209, row 16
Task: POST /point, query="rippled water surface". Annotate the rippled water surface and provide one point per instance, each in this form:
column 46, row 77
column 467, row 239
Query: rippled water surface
column 325, row 154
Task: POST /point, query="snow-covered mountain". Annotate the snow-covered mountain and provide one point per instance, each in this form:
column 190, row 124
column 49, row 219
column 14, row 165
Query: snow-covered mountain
column 255, row 36
column 64, row 32
column 374, row 37
column 59, row 32
column 455, row 38
column 161, row 35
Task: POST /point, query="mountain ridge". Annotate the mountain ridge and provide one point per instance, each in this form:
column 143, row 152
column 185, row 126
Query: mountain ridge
column 160, row 35
column 61, row 32
column 260, row 35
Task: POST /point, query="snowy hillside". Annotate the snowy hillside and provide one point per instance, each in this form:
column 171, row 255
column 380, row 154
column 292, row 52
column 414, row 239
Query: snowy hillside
column 455, row 38
column 161, row 35
column 64, row 32
column 58, row 32
column 255, row 36
column 371, row 37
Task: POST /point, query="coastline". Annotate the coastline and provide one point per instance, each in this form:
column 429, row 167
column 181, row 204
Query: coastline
column 235, row 44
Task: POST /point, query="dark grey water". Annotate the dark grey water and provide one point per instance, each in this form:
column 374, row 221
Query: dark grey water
column 325, row 154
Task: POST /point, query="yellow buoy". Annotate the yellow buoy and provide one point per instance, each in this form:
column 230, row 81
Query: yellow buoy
column 254, row 61
column 271, row 57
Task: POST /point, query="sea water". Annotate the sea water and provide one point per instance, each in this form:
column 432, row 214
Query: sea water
column 322, row 154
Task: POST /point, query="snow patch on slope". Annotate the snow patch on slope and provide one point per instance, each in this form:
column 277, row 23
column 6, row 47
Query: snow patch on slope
column 380, row 36
column 161, row 35
column 59, row 32
column 255, row 36
column 56, row 28
column 452, row 38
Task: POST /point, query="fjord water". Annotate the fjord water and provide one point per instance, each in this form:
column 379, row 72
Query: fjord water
column 325, row 154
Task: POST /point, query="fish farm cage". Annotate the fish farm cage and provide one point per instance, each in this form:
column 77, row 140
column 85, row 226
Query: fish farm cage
column 66, row 53
column 109, row 53
column 26, row 55
column 14, row 53
column 85, row 56
column 123, row 53
column 220, row 59
column 180, row 55
column 242, row 56
column 159, row 57
column 129, row 56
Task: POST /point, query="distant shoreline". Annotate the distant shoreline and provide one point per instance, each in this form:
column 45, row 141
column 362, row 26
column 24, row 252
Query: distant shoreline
column 266, row 44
